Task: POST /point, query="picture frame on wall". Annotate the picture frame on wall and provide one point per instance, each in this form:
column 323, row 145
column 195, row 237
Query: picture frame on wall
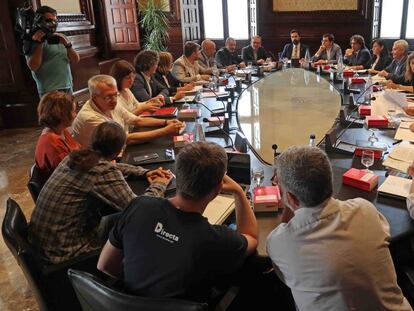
column 314, row 5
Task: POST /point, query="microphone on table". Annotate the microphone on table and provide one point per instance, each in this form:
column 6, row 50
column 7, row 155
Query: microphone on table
column 220, row 129
column 215, row 112
column 365, row 90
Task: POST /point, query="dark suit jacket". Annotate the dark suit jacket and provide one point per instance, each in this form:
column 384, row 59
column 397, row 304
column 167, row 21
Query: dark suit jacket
column 224, row 58
column 383, row 62
column 174, row 83
column 363, row 57
column 288, row 48
column 247, row 54
column 396, row 71
column 142, row 93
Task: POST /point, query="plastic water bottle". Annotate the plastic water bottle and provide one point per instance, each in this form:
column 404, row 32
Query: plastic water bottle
column 340, row 66
column 368, row 92
column 198, row 131
column 312, row 140
column 307, row 59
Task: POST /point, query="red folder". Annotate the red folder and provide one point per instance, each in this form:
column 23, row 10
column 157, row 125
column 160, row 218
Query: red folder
column 364, row 110
column 376, row 121
column 165, row 112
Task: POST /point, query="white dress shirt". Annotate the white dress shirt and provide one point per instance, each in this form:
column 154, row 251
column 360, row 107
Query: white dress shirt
column 90, row 116
column 337, row 258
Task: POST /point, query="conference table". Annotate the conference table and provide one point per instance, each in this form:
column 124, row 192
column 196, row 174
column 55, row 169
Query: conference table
column 284, row 108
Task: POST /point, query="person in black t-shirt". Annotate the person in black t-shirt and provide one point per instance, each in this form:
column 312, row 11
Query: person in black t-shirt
column 166, row 248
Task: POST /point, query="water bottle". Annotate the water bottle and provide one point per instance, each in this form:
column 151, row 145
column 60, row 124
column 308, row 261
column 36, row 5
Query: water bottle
column 307, row 59
column 312, row 140
column 198, row 131
column 340, row 66
column 368, row 92
column 214, row 83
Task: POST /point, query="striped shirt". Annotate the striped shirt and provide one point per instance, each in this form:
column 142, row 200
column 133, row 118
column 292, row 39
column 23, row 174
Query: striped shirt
column 63, row 224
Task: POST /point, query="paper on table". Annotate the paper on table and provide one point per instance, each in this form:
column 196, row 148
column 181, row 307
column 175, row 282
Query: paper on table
column 396, row 98
column 219, row 209
column 405, row 124
column 404, row 134
column 377, row 78
column 195, row 89
column 396, row 186
column 396, row 164
column 211, row 94
column 403, row 152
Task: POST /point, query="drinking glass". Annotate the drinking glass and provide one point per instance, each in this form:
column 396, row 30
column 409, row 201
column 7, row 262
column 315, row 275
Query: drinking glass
column 367, row 159
column 268, row 60
column 249, row 64
column 258, row 176
column 372, row 138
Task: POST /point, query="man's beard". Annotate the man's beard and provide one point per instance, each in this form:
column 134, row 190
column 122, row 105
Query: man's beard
column 295, row 42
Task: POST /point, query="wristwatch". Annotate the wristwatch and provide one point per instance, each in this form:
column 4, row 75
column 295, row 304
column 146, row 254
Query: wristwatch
column 69, row 45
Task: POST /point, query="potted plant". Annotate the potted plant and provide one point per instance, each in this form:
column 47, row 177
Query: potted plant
column 154, row 22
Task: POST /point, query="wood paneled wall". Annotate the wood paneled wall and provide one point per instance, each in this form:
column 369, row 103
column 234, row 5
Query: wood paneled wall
column 275, row 27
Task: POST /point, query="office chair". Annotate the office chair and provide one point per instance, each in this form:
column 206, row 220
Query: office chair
column 95, row 295
column 49, row 282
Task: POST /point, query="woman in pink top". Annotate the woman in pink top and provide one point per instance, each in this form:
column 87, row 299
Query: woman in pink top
column 56, row 111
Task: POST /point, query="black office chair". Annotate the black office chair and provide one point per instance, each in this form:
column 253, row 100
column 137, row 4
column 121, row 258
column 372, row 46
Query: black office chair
column 36, row 182
column 49, row 283
column 94, row 295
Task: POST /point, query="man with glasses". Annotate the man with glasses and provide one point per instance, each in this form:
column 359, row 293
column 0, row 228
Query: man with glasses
column 50, row 55
column 329, row 52
column 102, row 106
column 396, row 70
column 358, row 54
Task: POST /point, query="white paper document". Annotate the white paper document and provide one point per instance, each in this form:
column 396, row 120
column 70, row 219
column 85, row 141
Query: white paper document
column 396, row 98
column 194, row 90
column 219, row 209
column 404, row 134
column 395, row 186
column 400, row 157
column 209, row 94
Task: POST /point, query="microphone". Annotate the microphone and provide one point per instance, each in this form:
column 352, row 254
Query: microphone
column 365, row 90
column 216, row 111
column 221, row 130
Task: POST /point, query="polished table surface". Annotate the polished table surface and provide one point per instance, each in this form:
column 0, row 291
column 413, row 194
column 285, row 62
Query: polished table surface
column 285, row 108
column 301, row 97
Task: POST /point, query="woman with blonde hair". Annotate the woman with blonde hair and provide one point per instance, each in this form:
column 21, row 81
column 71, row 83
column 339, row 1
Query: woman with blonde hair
column 56, row 111
column 124, row 74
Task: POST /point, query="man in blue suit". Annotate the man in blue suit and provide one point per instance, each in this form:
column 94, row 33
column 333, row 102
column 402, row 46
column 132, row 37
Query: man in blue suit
column 396, row 70
column 295, row 49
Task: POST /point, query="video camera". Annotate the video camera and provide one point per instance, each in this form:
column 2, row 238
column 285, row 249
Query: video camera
column 28, row 23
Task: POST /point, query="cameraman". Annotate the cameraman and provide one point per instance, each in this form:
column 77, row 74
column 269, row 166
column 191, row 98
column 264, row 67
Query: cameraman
column 50, row 54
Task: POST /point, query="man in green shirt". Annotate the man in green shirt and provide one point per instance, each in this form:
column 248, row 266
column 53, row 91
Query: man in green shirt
column 49, row 59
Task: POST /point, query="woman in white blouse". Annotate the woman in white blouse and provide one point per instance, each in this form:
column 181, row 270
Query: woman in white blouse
column 124, row 74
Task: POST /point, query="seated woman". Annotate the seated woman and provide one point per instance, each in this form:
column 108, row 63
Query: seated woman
column 380, row 58
column 56, row 111
column 145, row 86
column 124, row 74
column 63, row 224
column 166, row 79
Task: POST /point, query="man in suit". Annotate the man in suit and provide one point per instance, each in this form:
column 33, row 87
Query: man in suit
column 296, row 49
column 186, row 68
column 329, row 52
column 358, row 54
column 254, row 53
column 227, row 55
column 145, row 86
column 396, row 70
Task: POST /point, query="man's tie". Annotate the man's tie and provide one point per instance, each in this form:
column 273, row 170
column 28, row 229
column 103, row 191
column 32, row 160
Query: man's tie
column 295, row 52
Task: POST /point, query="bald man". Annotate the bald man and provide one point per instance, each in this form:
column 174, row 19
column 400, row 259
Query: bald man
column 206, row 61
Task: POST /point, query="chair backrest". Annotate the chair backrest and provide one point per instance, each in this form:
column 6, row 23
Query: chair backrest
column 36, row 182
column 14, row 230
column 94, row 295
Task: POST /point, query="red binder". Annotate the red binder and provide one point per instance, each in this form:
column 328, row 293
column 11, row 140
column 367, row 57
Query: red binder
column 165, row 112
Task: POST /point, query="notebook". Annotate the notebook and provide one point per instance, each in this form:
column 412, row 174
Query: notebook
column 165, row 112
column 218, row 210
column 396, row 187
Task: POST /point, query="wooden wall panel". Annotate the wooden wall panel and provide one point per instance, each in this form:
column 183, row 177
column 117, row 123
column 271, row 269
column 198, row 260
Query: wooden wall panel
column 275, row 27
